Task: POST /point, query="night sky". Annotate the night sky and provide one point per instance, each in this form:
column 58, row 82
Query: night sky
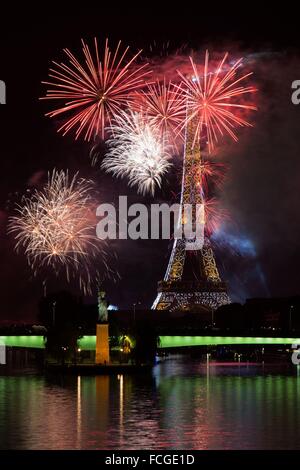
column 258, row 251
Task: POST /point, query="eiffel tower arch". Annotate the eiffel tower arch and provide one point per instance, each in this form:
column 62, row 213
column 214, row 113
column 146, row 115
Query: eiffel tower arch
column 192, row 276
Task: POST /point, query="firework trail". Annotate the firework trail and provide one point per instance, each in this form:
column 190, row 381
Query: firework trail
column 210, row 174
column 55, row 228
column 209, row 96
column 165, row 107
column 111, row 97
column 94, row 92
column 215, row 216
column 138, row 152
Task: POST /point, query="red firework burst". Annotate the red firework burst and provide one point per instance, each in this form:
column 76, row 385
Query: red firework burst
column 215, row 215
column 209, row 96
column 96, row 91
column 165, row 105
column 210, row 172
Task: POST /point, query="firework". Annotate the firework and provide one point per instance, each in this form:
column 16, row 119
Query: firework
column 93, row 93
column 160, row 49
column 209, row 96
column 214, row 215
column 211, row 173
column 55, row 228
column 165, row 106
column 138, row 152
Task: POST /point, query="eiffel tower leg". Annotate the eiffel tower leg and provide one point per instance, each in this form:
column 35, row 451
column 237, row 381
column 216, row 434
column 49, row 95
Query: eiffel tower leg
column 209, row 262
column 176, row 263
column 174, row 273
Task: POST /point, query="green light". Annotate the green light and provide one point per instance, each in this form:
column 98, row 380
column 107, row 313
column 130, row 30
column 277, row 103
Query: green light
column 88, row 343
column 36, row 342
column 182, row 341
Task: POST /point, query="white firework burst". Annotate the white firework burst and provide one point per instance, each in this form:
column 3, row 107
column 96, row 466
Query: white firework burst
column 55, row 228
column 138, row 152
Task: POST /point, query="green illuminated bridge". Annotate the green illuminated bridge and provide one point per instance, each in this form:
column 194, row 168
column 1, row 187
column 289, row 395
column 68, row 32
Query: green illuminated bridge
column 88, row 343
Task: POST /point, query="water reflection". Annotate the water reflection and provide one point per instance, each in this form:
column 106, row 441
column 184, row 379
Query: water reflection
column 79, row 414
column 181, row 405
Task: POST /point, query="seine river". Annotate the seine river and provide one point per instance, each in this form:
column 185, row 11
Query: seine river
column 181, row 405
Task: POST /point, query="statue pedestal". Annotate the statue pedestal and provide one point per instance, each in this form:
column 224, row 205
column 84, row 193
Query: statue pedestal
column 102, row 344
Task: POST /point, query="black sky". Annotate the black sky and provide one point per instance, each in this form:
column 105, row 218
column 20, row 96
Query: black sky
column 262, row 191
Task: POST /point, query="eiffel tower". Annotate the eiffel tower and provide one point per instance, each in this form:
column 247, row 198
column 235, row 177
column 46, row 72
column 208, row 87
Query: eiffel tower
column 192, row 276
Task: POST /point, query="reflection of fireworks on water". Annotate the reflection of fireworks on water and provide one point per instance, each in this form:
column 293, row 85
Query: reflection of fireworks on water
column 138, row 152
column 55, row 227
column 95, row 92
column 209, row 99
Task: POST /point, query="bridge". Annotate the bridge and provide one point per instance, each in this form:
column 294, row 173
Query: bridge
column 88, row 342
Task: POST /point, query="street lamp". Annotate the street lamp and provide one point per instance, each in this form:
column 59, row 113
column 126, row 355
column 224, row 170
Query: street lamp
column 53, row 312
column 290, row 317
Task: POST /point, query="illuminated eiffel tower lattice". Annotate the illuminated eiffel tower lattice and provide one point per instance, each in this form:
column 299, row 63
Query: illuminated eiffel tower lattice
column 192, row 276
